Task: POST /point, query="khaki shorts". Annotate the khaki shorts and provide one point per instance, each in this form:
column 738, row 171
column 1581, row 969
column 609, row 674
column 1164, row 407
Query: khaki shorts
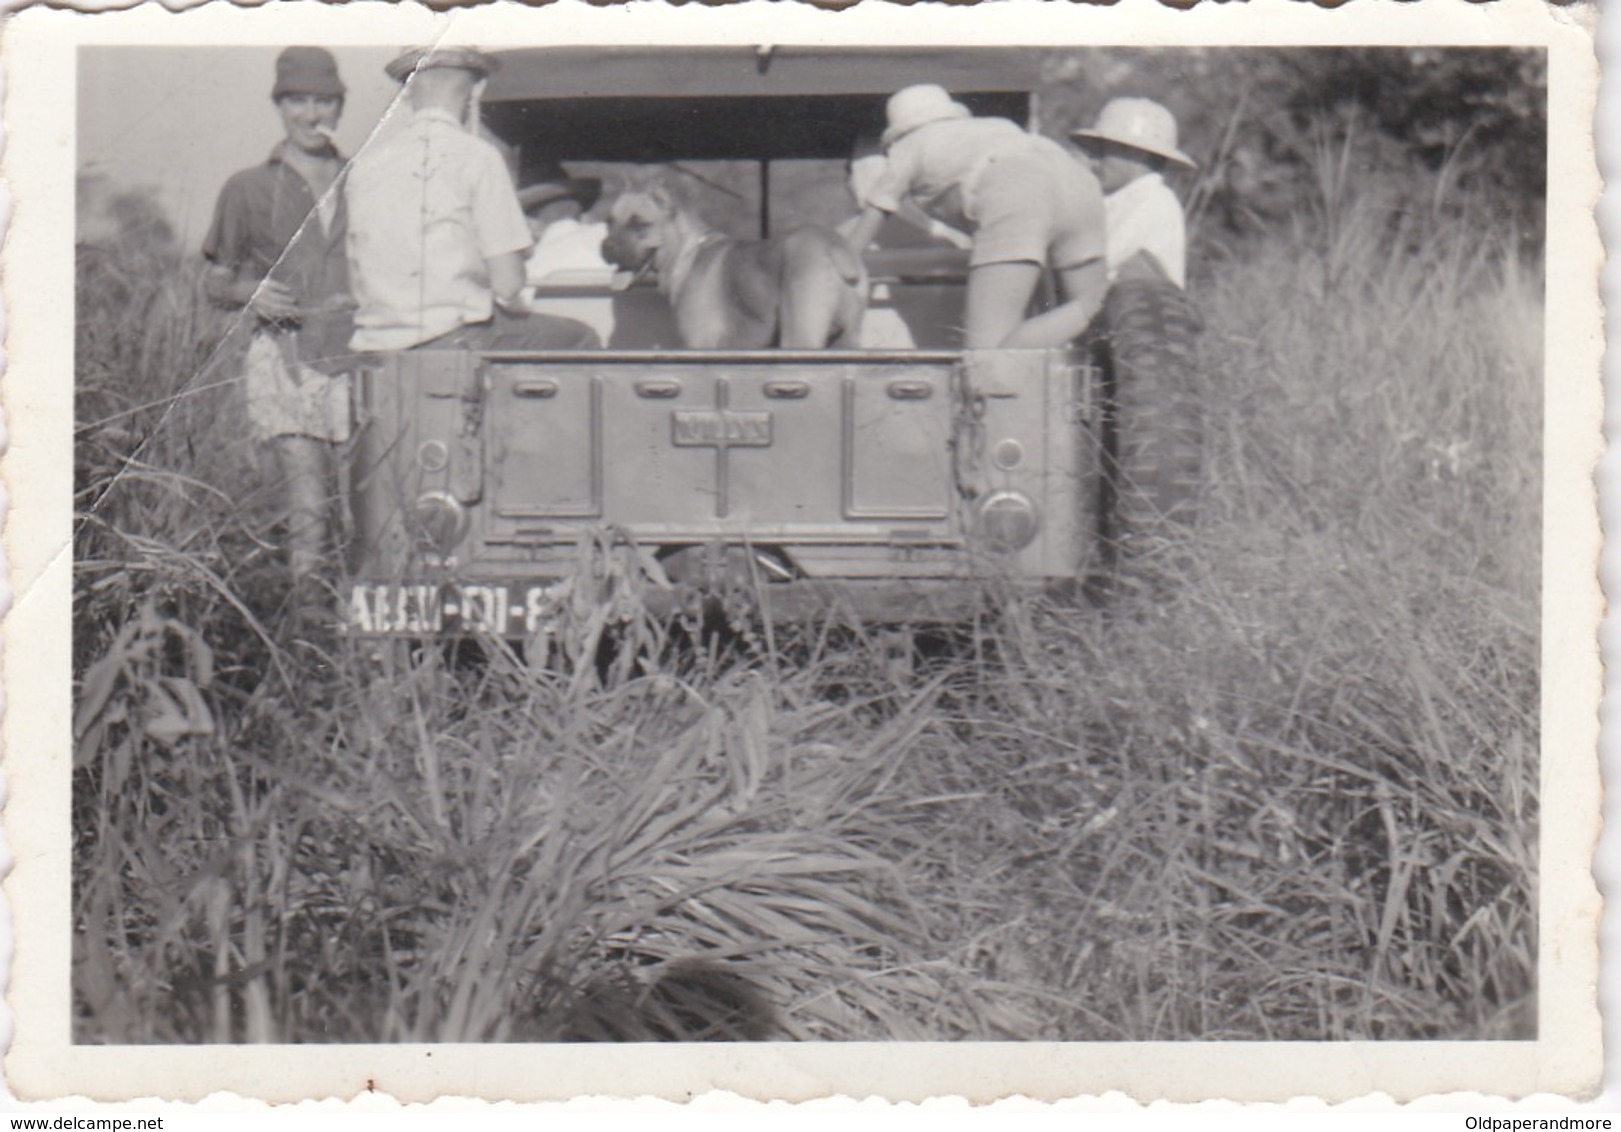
column 1035, row 203
column 290, row 398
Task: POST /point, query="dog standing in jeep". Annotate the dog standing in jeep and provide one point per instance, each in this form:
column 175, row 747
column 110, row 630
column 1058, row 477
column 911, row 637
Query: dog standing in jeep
column 803, row 290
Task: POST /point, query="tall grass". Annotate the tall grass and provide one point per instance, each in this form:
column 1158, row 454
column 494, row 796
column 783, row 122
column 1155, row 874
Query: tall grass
column 1293, row 798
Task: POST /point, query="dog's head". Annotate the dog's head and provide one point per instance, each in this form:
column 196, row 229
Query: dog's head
column 636, row 226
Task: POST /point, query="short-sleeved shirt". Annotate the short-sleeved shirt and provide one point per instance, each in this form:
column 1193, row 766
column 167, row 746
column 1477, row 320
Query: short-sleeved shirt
column 267, row 224
column 427, row 208
column 1020, row 196
column 568, row 247
column 935, row 165
column 1145, row 216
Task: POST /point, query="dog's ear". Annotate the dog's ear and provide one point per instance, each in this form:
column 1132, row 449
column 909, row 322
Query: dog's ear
column 661, row 196
column 644, row 178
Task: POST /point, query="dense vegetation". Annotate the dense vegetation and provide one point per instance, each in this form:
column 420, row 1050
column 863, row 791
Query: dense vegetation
column 1293, row 798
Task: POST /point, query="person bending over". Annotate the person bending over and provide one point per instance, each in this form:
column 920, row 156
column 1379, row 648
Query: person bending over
column 1024, row 202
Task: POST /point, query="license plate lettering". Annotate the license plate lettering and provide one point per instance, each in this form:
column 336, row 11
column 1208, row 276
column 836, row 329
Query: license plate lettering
column 360, row 617
column 395, row 609
column 423, row 609
column 484, row 608
column 537, row 607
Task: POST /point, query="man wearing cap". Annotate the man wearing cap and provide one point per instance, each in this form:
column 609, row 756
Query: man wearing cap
column 1024, row 202
column 1132, row 144
column 568, row 249
column 437, row 238
column 276, row 249
column 553, row 202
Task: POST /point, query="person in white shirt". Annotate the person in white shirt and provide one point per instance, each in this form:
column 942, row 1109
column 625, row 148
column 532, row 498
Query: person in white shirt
column 1021, row 199
column 565, row 243
column 1129, row 149
column 885, row 327
column 565, row 272
column 437, row 240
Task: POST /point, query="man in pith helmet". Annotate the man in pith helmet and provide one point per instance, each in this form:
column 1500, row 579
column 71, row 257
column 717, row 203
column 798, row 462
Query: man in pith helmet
column 1023, row 201
column 1130, row 147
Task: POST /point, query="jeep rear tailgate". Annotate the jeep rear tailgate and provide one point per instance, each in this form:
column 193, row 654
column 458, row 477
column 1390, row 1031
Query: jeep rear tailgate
column 686, row 447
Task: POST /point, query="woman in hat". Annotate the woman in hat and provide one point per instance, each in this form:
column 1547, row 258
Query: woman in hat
column 1024, row 202
column 276, row 249
column 1130, row 147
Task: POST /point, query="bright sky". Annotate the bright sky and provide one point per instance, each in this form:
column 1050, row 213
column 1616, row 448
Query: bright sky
column 184, row 119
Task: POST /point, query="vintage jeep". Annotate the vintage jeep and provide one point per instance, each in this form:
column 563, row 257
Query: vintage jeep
column 900, row 482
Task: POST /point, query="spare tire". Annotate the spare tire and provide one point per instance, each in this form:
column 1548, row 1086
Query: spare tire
column 1153, row 430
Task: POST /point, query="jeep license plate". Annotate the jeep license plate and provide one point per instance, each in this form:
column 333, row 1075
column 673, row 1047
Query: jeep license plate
column 506, row 609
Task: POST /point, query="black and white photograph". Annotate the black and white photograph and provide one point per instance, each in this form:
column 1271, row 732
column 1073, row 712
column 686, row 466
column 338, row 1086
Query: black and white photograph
column 584, row 543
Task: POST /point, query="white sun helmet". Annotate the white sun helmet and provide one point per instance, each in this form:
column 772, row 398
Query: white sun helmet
column 1138, row 123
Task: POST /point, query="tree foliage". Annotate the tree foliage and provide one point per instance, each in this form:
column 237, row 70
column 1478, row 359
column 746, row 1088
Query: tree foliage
column 1261, row 122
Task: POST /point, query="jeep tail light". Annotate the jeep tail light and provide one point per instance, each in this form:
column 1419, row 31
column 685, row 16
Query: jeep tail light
column 1008, row 520
column 440, row 521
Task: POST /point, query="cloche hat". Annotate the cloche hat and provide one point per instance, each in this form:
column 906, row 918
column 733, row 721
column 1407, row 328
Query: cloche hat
column 307, row 70
column 919, row 105
column 1138, row 123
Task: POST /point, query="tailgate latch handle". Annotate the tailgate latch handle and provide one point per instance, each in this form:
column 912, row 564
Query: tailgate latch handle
column 536, row 390
column 658, row 390
column 911, row 390
column 788, row 390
